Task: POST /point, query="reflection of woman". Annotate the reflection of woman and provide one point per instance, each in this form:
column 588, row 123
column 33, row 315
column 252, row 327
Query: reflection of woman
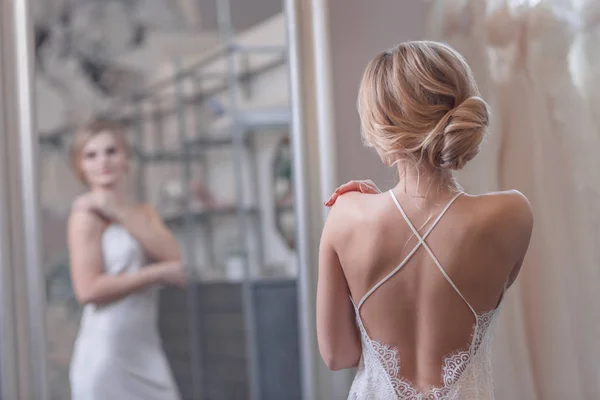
column 118, row 353
column 425, row 265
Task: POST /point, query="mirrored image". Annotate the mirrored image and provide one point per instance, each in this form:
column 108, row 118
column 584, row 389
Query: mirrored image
column 165, row 155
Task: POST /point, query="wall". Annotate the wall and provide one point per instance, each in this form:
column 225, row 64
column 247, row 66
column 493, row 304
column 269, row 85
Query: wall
column 373, row 29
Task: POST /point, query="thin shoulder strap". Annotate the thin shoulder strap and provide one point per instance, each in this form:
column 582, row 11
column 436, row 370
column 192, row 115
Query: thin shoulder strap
column 412, row 252
column 426, row 246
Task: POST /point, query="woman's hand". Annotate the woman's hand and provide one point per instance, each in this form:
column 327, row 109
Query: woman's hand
column 172, row 273
column 104, row 204
column 366, row 186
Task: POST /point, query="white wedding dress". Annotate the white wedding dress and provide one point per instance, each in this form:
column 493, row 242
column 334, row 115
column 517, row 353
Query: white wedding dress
column 547, row 137
column 585, row 57
column 118, row 353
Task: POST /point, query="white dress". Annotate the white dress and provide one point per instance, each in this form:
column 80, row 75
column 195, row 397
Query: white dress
column 547, row 135
column 118, row 353
column 572, row 191
column 585, row 57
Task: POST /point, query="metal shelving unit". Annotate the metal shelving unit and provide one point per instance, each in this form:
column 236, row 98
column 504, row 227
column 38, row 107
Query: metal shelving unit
column 239, row 138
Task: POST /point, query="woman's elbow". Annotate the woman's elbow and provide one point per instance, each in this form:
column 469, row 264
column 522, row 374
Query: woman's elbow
column 84, row 298
column 89, row 296
column 341, row 360
column 336, row 364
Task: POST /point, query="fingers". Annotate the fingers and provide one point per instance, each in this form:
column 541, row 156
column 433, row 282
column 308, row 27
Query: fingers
column 352, row 186
column 347, row 187
column 331, row 200
column 366, row 187
column 81, row 205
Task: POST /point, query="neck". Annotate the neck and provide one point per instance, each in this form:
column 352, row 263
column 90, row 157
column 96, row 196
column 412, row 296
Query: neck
column 424, row 183
column 118, row 191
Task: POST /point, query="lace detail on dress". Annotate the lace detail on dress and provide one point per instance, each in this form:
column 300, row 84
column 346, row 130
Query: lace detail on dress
column 388, row 357
column 464, row 371
column 454, row 365
column 482, row 326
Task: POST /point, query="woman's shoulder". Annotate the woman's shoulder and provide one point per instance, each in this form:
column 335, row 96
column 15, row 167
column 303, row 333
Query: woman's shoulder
column 354, row 209
column 356, row 205
column 509, row 203
column 81, row 215
column 507, row 213
column 85, row 223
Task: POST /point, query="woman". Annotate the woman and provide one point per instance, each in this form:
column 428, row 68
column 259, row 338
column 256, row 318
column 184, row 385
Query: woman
column 120, row 252
column 425, row 266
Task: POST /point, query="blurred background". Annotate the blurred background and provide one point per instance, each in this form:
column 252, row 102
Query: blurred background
column 241, row 114
column 202, row 90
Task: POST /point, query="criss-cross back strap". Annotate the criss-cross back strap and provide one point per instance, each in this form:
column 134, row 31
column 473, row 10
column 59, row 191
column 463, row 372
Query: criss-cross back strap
column 426, row 246
column 414, row 250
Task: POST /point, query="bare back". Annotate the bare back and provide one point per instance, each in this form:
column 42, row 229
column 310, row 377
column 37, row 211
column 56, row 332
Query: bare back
column 421, row 277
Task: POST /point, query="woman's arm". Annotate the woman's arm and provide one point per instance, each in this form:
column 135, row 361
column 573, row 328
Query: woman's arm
column 141, row 221
column 146, row 225
column 91, row 283
column 337, row 332
column 518, row 213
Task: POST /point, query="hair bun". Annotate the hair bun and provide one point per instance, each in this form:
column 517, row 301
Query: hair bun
column 457, row 137
column 419, row 102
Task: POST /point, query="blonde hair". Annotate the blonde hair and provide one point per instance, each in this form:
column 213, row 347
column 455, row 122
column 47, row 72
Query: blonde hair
column 419, row 101
column 87, row 132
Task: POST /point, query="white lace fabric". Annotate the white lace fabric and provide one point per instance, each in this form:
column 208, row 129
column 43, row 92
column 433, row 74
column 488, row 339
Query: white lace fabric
column 465, row 374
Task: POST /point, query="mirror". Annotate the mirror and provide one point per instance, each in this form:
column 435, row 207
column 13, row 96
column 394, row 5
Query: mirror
column 199, row 90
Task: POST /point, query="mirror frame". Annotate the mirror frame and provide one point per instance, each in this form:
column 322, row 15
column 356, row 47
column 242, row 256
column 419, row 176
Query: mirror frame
column 23, row 366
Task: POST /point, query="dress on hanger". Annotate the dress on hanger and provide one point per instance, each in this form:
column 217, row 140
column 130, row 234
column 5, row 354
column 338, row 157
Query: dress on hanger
column 578, row 143
column 585, row 58
column 513, row 373
column 545, row 153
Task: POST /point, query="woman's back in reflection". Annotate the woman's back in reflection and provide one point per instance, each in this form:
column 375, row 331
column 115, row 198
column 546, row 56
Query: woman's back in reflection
column 425, row 266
